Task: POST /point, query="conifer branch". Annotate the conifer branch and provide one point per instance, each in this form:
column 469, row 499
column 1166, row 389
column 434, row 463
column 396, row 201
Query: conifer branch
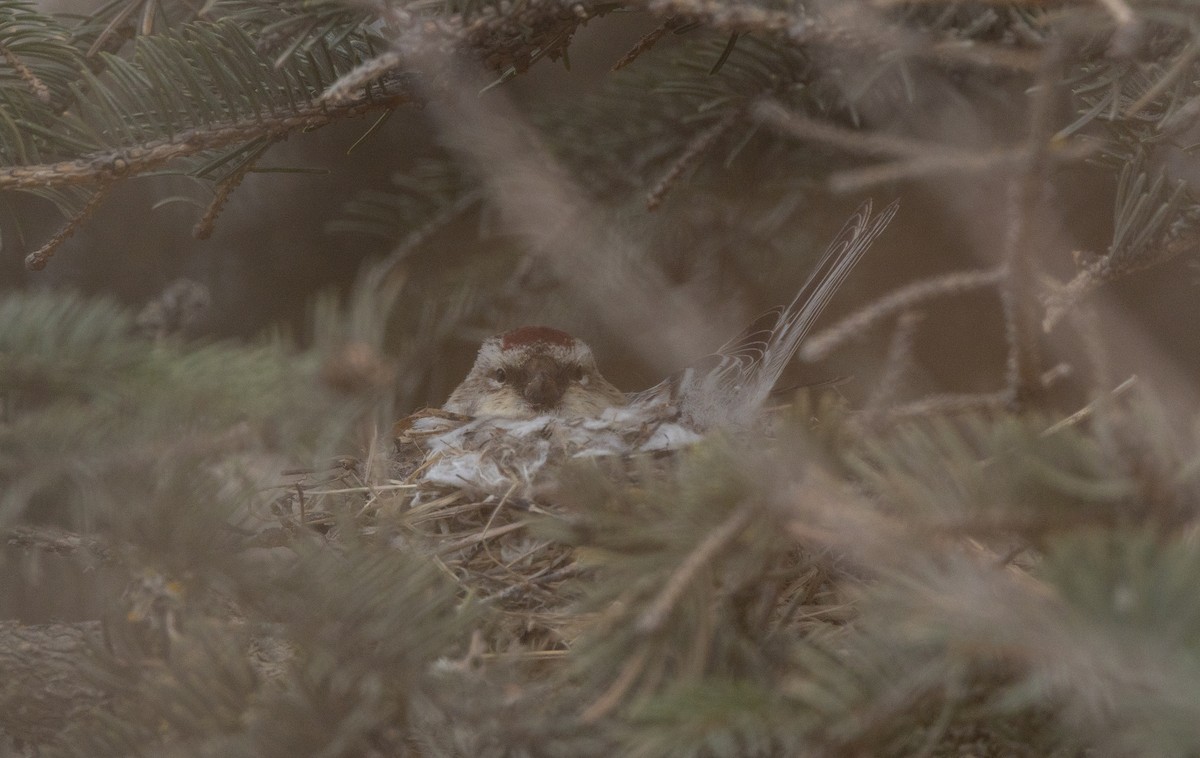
column 1018, row 286
column 58, row 541
column 841, row 33
column 1180, row 67
column 35, row 84
column 648, row 41
column 1063, row 298
column 904, row 299
column 918, row 159
column 37, row 260
column 131, row 161
column 896, row 364
column 349, row 88
column 416, row 616
column 696, row 149
column 204, row 227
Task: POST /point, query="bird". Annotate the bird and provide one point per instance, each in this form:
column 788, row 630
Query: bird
column 534, row 371
column 537, row 371
column 534, row 396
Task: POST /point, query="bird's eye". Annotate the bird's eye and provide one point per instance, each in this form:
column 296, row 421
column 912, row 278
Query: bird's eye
column 499, row 375
column 579, row 374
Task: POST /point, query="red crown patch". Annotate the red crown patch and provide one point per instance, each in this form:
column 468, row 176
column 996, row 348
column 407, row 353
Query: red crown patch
column 529, row 335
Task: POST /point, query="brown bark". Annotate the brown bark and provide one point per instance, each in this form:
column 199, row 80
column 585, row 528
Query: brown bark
column 43, row 681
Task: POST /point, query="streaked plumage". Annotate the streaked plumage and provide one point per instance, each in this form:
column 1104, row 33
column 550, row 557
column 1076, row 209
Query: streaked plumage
column 535, row 394
column 734, row 382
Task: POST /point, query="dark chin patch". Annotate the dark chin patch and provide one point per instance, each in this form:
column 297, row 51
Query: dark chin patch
column 530, row 335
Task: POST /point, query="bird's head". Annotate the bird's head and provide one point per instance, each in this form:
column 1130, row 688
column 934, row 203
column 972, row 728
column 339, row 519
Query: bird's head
column 534, row 371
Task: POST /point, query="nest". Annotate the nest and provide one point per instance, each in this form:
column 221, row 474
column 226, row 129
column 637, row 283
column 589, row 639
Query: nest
column 475, row 495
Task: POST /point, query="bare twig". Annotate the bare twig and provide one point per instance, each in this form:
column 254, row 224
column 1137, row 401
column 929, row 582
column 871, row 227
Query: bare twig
column 1061, row 299
column 955, row 162
column 1018, row 287
column 796, row 125
column 917, row 158
column 138, row 159
column 37, row 260
column 700, row 145
column 903, row 299
column 647, row 42
column 1119, row 10
column 204, row 227
column 863, row 179
column 440, row 220
column 54, row 540
column 895, row 365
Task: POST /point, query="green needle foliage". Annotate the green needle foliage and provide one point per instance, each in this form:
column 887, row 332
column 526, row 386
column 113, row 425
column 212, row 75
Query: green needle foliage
column 891, row 566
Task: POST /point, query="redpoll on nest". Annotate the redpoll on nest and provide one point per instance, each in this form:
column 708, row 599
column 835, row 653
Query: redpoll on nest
column 535, row 395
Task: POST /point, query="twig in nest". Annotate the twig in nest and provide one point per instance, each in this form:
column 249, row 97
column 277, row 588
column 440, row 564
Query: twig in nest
column 477, row 537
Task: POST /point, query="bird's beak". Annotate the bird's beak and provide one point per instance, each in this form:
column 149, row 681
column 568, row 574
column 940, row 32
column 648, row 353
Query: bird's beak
column 543, row 386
